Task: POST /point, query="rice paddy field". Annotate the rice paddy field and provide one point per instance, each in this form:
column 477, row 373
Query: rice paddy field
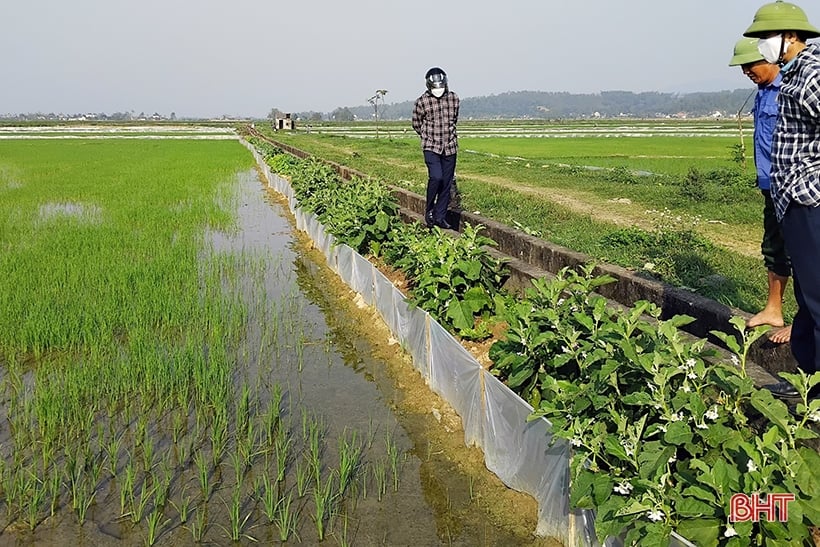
column 177, row 367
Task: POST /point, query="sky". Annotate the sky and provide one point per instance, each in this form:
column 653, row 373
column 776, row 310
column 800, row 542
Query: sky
column 209, row 58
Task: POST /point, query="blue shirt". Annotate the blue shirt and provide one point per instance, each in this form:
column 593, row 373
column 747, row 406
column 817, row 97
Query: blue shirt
column 765, row 114
column 796, row 140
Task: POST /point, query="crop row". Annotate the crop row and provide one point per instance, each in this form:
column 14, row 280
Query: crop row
column 662, row 430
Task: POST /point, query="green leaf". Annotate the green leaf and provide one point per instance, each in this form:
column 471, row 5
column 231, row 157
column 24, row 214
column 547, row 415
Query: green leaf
column 701, row 531
column 691, row 507
column 773, row 409
column 652, row 456
column 678, row 433
column 460, row 314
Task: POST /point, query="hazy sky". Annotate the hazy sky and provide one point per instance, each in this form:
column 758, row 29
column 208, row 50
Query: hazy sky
column 244, row 57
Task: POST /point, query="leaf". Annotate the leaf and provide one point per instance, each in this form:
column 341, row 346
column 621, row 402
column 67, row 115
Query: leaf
column 691, row 507
column 652, row 457
column 460, row 314
column 519, row 377
column 700, row 531
column 700, row 493
column 678, row 433
column 773, row 409
column 614, row 447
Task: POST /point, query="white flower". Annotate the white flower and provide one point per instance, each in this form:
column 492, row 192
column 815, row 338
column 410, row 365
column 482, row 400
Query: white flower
column 690, row 363
column 655, row 516
column 750, row 466
column 672, row 459
column 687, row 389
column 712, row 413
column 729, row 532
column 702, row 426
column 815, row 416
column 676, row 417
column 623, row 488
column 662, row 428
column 735, row 361
column 575, row 441
column 692, row 376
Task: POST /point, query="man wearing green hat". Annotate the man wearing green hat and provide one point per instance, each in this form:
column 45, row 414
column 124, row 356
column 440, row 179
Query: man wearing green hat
column 767, row 77
column 782, row 29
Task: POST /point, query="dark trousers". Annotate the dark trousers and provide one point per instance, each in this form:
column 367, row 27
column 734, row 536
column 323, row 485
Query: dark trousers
column 801, row 229
column 440, row 171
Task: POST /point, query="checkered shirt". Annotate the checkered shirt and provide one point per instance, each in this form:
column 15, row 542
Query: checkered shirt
column 796, row 140
column 435, row 122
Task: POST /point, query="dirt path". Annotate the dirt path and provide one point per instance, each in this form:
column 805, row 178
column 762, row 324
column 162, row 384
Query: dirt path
column 623, row 212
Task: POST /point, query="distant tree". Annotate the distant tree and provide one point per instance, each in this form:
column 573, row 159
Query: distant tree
column 173, row 116
column 374, row 100
column 342, row 114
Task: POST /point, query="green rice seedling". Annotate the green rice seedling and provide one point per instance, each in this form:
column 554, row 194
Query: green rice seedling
column 203, row 473
column 393, row 456
column 268, row 494
column 287, row 517
column 54, row 490
column 272, row 415
column 343, row 538
column 350, row 454
column 155, row 523
column 163, row 484
column 283, row 454
column 82, row 498
column 199, row 524
column 380, row 477
column 138, row 506
column 323, row 501
column 184, row 507
column 238, row 465
column 127, row 485
column 112, row 452
column 219, row 437
column 237, row 522
column 303, row 476
column 179, row 425
column 243, row 412
column 35, row 496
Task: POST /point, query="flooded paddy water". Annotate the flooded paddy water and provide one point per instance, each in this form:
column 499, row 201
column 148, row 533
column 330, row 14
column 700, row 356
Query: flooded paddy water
column 320, row 433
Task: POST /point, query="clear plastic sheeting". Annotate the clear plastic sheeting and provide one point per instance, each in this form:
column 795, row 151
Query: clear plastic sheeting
column 456, row 376
column 518, row 451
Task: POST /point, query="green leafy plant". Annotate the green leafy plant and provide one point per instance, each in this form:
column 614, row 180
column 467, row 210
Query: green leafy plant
column 659, row 426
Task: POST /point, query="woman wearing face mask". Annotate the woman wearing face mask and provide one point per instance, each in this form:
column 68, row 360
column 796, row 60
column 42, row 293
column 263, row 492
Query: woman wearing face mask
column 435, row 116
column 782, row 29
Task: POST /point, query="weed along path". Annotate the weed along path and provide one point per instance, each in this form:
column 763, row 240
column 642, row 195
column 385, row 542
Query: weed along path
column 215, row 384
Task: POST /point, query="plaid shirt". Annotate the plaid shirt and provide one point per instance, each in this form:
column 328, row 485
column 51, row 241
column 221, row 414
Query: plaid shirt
column 435, row 122
column 796, row 140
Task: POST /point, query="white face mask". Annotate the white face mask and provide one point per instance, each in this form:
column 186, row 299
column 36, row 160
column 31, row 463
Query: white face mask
column 437, row 92
column 770, row 48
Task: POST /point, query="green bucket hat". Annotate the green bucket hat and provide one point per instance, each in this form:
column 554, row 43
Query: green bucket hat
column 779, row 16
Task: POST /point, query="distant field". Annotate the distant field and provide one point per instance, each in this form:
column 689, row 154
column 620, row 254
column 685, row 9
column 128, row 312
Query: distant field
column 676, row 202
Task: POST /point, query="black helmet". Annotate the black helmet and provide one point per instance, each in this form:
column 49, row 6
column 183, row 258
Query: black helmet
column 436, row 79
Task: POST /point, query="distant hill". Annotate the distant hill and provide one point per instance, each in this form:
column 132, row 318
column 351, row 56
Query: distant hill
column 607, row 104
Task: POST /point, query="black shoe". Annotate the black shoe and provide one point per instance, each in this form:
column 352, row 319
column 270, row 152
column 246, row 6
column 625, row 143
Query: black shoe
column 428, row 220
column 783, row 389
column 443, row 224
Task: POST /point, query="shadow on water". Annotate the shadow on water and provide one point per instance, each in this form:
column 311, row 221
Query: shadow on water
column 329, row 436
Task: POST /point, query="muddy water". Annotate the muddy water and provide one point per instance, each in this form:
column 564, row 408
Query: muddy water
column 341, row 377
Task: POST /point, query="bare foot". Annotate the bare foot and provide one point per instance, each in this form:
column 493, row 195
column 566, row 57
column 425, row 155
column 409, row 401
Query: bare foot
column 781, row 336
column 765, row 317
